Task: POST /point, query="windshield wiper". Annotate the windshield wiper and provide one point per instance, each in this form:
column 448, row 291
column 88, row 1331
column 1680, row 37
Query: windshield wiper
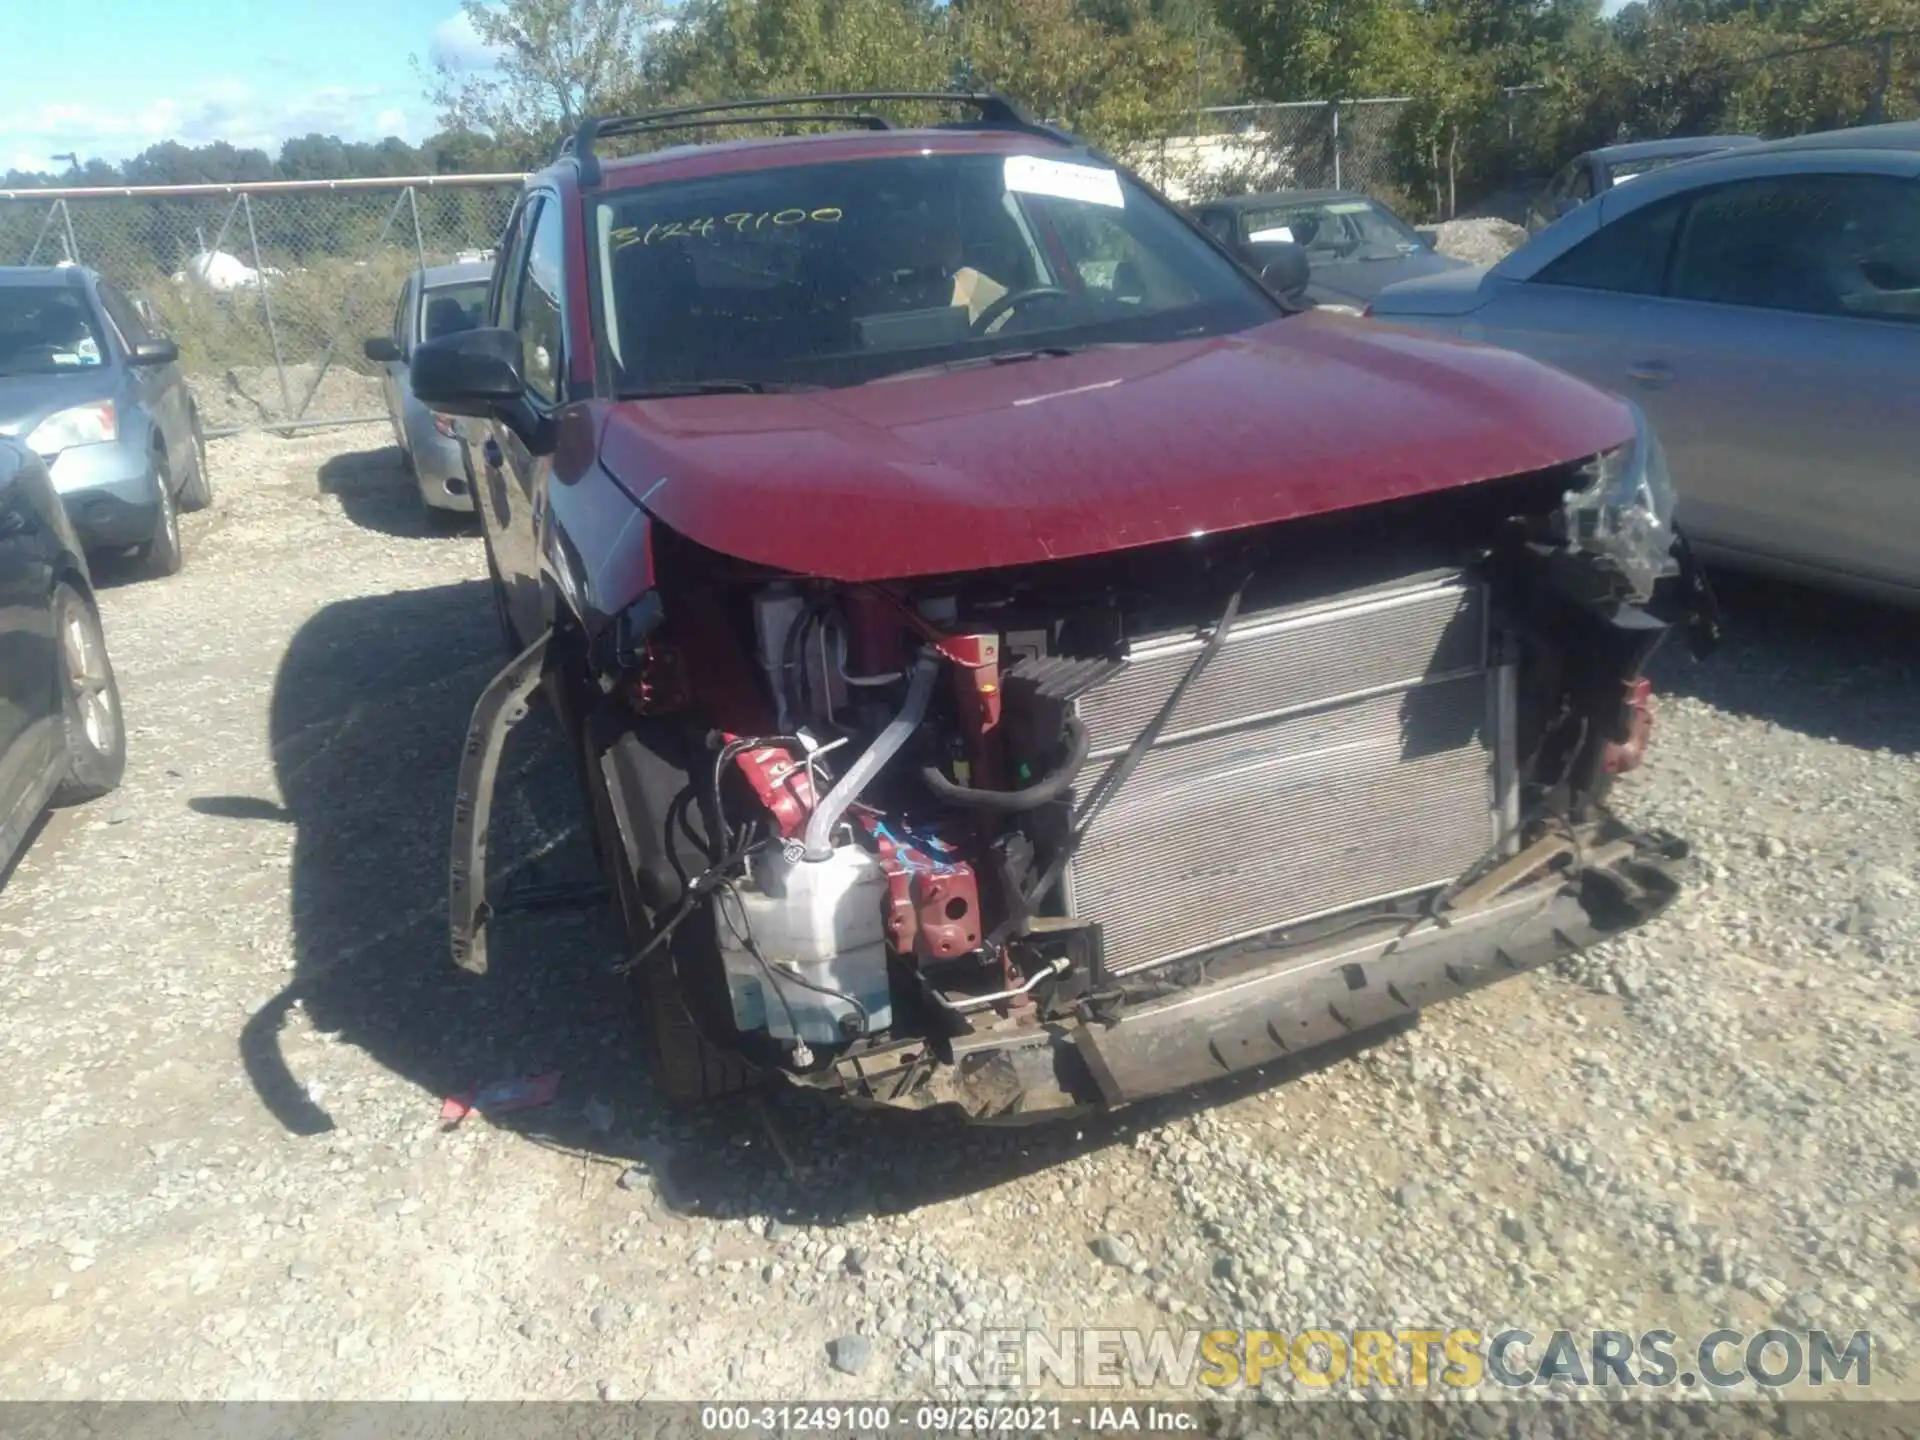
column 667, row 389
column 998, row 357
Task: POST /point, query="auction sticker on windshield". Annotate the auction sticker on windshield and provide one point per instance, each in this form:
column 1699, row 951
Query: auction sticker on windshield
column 1091, row 184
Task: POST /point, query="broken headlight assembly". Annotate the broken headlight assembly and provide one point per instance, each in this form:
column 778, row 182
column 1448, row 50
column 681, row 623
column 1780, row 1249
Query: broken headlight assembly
column 1623, row 513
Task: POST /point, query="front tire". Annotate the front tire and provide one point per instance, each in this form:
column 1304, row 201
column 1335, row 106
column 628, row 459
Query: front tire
column 196, row 491
column 163, row 555
column 685, row 1064
column 95, row 731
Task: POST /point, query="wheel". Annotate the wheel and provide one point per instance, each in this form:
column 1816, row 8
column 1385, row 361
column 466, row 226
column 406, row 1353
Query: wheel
column 96, row 736
column 162, row 554
column 196, row 491
column 686, row 1065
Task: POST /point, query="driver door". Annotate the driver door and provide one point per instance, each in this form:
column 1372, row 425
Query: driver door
column 531, row 302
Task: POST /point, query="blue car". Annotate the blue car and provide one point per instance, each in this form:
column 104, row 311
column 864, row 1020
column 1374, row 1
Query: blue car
column 88, row 385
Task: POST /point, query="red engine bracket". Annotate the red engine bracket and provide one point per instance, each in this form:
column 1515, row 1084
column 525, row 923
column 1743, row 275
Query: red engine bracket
column 783, row 784
column 1636, row 709
column 933, row 901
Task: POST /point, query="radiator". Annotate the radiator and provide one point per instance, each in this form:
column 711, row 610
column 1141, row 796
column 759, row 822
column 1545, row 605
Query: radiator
column 1353, row 750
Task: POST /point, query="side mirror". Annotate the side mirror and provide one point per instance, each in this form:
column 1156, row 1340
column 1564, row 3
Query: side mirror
column 1281, row 265
column 380, row 349
column 153, row 352
column 477, row 373
column 471, row 372
column 1428, row 237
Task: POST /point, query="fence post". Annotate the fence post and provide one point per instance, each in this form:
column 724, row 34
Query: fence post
column 419, row 245
column 1334, row 106
column 266, row 304
column 1877, row 106
column 58, row 207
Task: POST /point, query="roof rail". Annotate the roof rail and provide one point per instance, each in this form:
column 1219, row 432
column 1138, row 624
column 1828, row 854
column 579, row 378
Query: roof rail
column 990, row 110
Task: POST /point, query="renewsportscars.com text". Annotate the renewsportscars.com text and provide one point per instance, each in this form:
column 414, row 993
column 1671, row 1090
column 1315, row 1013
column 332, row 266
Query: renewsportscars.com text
column 1452, row 1358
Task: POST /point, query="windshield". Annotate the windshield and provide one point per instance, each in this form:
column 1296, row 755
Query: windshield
column 1334, row 229
column 844, row 273
column 450, row 308
column 46, row 329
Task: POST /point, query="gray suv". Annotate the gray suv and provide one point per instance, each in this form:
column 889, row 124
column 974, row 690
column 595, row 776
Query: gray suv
column 88, row 384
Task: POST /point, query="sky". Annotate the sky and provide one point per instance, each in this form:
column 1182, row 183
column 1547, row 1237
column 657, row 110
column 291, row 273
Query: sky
column 108, row 78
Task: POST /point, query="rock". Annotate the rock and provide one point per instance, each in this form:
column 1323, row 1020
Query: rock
column 602, row 1317
column 831, row 1259
column 301, row 1270
column 1515, row 1229
column 850, row 1354
column 634, row 1178
column 612, row 1390
column 1113, row 1250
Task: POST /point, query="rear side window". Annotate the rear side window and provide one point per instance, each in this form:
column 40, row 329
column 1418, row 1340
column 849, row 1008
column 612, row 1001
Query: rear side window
column 538, row 308
column 1581, row 186
column 513, row 259
column 1628, row 256
column 1817, row 244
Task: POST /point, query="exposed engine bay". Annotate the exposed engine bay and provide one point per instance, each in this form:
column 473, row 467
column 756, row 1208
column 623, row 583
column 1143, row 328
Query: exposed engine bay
column 935, row 815
column 1040, row 837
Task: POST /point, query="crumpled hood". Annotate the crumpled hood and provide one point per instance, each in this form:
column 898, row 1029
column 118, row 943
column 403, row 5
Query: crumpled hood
column 1051, row 458
column 26, row 400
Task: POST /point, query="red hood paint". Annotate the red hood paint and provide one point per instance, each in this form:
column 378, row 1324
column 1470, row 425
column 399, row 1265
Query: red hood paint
column 1051, row 458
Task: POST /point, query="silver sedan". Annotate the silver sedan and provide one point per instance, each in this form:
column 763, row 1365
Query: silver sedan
column 1763, row 307
column 438, row 300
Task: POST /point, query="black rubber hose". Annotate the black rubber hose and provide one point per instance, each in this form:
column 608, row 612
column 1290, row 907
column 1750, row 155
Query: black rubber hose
column 1048, row 788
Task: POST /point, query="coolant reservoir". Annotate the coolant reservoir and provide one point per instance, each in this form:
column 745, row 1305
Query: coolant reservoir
column 822, row 921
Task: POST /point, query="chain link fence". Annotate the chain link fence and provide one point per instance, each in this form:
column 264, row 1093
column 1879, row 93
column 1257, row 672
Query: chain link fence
column 268, row 289
column 1295, row 145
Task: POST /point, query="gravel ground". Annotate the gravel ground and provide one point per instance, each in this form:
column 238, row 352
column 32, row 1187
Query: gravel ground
column 1479, row 242
column 249, row 394
column 227, row 1023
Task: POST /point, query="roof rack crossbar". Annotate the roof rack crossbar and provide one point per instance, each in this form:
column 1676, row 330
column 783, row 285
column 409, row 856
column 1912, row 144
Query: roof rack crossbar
column 991, row 109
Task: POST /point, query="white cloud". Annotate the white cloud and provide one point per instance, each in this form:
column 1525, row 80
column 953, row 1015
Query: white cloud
column 224, row 109
column 457, row 47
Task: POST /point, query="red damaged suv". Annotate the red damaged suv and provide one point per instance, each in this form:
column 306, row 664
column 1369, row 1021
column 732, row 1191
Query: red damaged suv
column 1018, row 659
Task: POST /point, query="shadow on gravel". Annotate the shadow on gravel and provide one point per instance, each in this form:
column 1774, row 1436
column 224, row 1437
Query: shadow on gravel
column 379, row 493
column 1823, row 665
column 368, row 715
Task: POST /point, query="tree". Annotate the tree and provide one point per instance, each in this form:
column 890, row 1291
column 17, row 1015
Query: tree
column 1109, row 69
column 558, row 62
column 727, row 49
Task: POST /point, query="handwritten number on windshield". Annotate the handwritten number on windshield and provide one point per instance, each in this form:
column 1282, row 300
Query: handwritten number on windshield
column 741, row 222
